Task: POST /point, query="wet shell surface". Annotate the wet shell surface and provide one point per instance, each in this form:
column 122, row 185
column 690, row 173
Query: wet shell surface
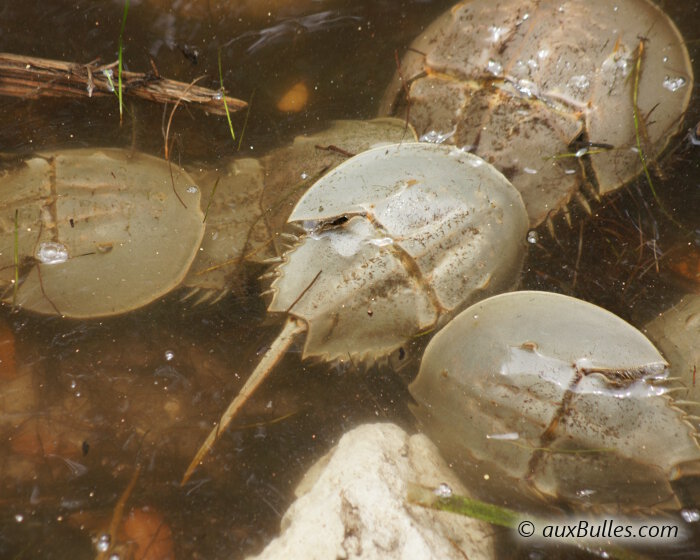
column 677, row 334
column 254, row 197
column 97, row 232
column 533, row 394
column 291, row 170
column 104, row 231
column 544, row 91
column 399, row 237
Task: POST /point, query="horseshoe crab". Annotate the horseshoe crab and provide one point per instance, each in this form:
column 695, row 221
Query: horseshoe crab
column 104, row 231
column 91, row 233
column 535, row 393
column 677, row 333
column 552, row 103
column 254, row 197
column 398, row 239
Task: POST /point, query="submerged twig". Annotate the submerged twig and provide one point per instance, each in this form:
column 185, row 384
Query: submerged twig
column 303, row 292
column 118, row 513
column 31, row 77
column 336, row 149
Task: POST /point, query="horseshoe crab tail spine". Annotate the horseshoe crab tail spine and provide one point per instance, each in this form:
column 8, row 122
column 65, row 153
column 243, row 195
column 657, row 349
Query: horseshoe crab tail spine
column 291, row 329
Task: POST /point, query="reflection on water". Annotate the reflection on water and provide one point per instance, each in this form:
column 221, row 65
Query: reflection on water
column 86, row 405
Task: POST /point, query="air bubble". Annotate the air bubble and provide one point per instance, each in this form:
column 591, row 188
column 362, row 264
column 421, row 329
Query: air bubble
column 443, row 491
column 527, row 88
column 50, row 252
column 674, row 84
column 169, row 355
column 508, row 436
column 381, row 241
column 103, row 542
column 580, row 82
column 435, row 137
column 108, row 73
column 192, row 189
column 497, row 32
column 695, row 136
column 690, row 515
column 532, row 237
column 494, row 67
column 304, row 176
column 19, row 517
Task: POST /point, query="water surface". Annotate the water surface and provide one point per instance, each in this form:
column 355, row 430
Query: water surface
column 94, row 402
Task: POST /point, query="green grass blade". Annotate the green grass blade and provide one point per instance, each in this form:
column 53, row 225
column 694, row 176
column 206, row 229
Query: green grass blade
column 500, row 516
column 223, row 94
column 462, row 505
column 119, row 72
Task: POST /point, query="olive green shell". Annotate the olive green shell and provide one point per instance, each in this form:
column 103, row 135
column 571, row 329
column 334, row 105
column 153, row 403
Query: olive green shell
column 95, row 232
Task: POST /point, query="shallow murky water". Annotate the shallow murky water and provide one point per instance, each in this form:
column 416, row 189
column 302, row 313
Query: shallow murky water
column 93, row 406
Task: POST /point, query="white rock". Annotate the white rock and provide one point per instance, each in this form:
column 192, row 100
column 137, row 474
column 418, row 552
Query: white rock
column 352, row 505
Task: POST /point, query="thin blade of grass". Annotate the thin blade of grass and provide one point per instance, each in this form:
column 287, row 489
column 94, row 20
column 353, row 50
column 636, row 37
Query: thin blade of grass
column 578, row 154
column 463, row 505
column 635, row 112
column 223, row 93
column 108, row 75
column 639, row 131
column 119, row 73
column 245, row 122
column 211, row 198
column 166, row 133
column 16, row 259
column 497, row 515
